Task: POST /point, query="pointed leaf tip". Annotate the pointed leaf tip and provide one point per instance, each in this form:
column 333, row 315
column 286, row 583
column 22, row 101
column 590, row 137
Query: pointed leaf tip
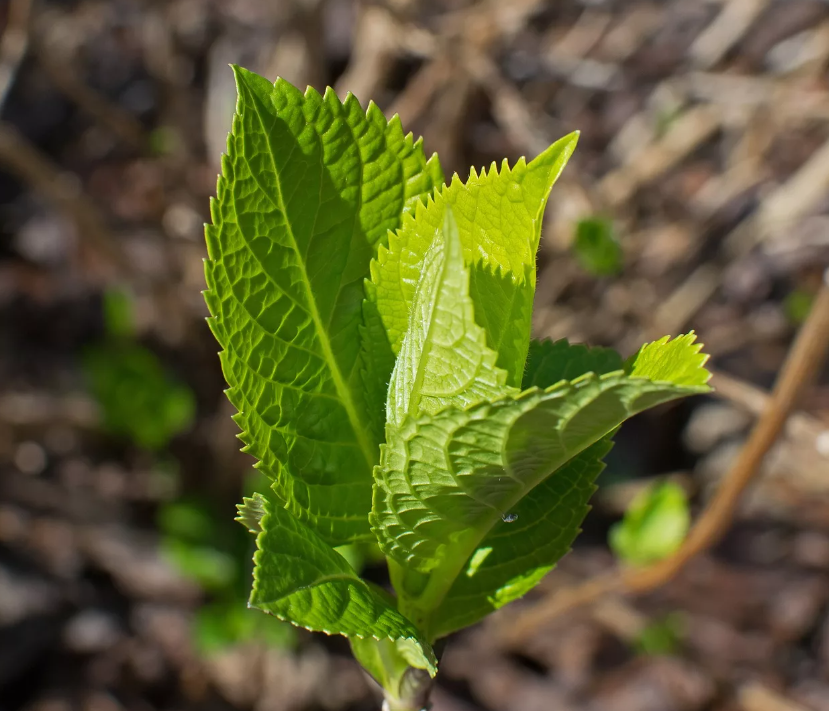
column 679, row 361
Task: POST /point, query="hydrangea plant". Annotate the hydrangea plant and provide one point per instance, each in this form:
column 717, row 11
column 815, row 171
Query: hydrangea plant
column 375, row 326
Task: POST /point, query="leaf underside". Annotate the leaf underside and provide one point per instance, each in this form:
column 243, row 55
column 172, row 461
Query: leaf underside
column 445, row 474
column 299, row 578
column 513, row 557
column 447, row 481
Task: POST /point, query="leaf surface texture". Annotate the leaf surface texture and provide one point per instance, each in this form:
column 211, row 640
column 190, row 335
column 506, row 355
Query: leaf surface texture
column 299, row 578
column 498, row 215
column 309, row 188
column 445, row 480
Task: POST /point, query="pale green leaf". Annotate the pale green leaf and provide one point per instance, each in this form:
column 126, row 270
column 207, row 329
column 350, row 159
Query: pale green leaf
column 250, row 512
column 299, row 578
column 654, row 526
column 310, row 187
column 443, row 359
column 679, row 360
column 398, row 667
column 499, row 217
column 445, row 480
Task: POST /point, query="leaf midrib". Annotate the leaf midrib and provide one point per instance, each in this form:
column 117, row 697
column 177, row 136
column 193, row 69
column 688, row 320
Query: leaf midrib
column 322, row 335
column 420, row 373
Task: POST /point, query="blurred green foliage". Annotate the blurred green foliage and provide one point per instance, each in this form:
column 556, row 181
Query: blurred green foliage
column 663, row 636
column 797, row 305
column 206, row 547
column 654, row 526
column 596, row 248
column 138, row 398
column 118, row 317
column 222, row 624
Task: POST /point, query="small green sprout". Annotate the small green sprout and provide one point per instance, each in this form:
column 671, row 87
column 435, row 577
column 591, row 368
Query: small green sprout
column 596, row 248
column 654, row 526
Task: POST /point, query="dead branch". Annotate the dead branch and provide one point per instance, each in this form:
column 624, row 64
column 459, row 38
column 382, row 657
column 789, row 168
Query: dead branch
column 756, row 697
column 725, row 31
column 26, row 162
column 14, row 44
column 120, row 123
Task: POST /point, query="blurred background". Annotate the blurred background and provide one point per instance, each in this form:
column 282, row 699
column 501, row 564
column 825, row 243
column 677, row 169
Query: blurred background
column 697, row 198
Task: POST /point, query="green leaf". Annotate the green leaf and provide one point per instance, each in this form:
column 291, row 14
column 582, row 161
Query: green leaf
column 499, row 217
column 514, row 556
column 596, row 248
column 443, row 359
column 445, row 480
column 549, row 362
column 540, row 529
column 310, row 187
column 654, row 526
column 299, row 578
column 251, row 511
column 679, row 361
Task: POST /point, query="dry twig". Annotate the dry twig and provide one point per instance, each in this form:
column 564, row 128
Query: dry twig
column 25, row 161
column 693, row 128
column 756, row 697
column 121, row 123
column 801, row 364
column 13, row 44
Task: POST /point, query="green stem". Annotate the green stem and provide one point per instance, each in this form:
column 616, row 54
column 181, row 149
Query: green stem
column 413, row 692
column 405, row 688
column 420, row 594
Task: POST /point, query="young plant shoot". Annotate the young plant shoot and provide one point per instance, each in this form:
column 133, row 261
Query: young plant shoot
column 375, row 334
